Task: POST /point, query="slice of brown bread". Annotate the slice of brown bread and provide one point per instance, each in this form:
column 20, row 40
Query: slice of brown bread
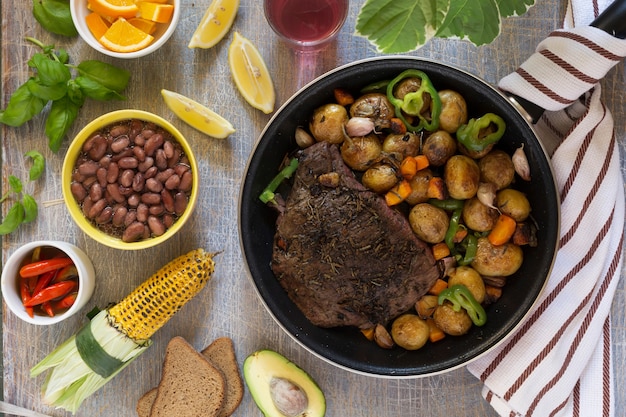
column 144, row 404
column 190, row 386
column 221, row 353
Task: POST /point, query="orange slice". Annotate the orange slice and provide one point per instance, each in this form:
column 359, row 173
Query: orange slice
column 157, row 12
column 118, row 8
column 97, row 24
column 124, row 37
column 146, row 25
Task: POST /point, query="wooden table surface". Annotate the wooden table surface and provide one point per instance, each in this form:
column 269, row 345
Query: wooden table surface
column 229, row 305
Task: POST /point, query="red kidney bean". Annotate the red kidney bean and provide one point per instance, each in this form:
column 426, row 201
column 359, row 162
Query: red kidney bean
column 119, row 143
column 172, row 182
column 180, row 203
column 119, row 215
column 186, row 181
column 97, row 208
column 128, row 162
column 78, row 191
column 96, row 191
column 126, row 178
column 114, row 191
column 156, row 226
column 133, row 176
column 168, row 200
column 133, row 232
column 151, row 198
column 112, row 172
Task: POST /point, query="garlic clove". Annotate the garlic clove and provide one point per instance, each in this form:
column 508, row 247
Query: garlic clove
column 520, row 163
column 359, row 126
column 486, row 194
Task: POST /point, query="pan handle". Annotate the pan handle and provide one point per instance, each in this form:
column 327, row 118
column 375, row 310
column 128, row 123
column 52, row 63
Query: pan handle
column 612, row 20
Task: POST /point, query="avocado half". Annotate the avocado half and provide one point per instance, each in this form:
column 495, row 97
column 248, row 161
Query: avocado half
column 263, row 368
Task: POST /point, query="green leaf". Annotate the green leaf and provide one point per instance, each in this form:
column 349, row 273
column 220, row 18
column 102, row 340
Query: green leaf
column 399, row 26
column 110, row 76
column 22, row 107
column 93, row 89
column 55, row 16
column 13, row 219
column 514, row 7
column 49, row 71
column 46, row 92
column 62, row 114
column 475, row 20
column 15, row 184
column 75, row 93
column 39, row 164
column 30, row 208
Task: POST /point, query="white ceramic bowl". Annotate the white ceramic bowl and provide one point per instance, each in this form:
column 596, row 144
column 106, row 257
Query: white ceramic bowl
column 10, row 283
column 79, row 11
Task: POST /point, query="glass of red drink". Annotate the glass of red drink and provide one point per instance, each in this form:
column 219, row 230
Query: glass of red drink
column 306, row 24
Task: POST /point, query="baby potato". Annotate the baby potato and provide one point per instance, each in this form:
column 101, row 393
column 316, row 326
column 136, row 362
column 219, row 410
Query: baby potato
column 454, row 323
column 478, row 216
column 462, row 176
column 419, row 187
column 380, row 178
column 497, row 261
column 409, row 331
column 429, row 223
column 467, row 276
column 513, row 203
column 328, row 123
column 401, row 146
column 453, row 111
column 497, row 168
column 439, row 147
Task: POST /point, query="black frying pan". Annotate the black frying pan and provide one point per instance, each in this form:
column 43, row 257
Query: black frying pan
column 346, row 347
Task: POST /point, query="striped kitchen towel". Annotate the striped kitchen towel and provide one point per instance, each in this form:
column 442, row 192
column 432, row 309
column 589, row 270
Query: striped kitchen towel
column 559, row 361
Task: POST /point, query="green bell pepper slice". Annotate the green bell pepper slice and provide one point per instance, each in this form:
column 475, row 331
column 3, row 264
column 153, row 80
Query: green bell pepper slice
column 479, row 133
column 413, row 103
column 267, row 195
column 461, row 297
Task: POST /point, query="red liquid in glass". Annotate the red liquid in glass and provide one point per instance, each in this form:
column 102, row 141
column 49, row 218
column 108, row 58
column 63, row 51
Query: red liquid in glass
column 306, row 21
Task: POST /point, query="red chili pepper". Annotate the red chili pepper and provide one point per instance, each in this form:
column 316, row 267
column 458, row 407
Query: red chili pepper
column 66, row 302
column 25, row 294
column 44, row 280
column 51, row 292
column 47, row 307
column 65, row 273
column 40, row 267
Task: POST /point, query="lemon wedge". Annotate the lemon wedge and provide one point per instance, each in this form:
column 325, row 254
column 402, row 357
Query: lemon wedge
column 250, row 74
column 197, row 116
column 215, row 23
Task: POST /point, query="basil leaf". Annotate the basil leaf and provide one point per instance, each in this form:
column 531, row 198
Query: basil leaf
column 74, row 93
column 15, row 184
column 39, row 165
column 62, row 114
column 30, row 208
column 46, row 92
column 93, row 89
column 50, row 72
column 13, row 219
column 55, row 16
column 108, row 75
column 22, row 107
column 63, row 56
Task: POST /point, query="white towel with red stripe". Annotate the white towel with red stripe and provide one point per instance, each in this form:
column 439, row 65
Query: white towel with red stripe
column 559, row 362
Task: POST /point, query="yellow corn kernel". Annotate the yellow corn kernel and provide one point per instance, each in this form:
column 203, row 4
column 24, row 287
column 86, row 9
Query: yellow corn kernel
column 153, row 303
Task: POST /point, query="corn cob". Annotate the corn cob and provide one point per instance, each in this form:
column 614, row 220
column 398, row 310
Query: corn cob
column 154, row 302
column 116, row 336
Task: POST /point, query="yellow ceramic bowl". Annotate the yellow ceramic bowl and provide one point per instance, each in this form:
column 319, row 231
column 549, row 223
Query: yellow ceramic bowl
column 68, row 167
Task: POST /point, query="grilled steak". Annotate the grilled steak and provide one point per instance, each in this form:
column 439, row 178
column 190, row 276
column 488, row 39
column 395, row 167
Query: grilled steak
column 341, row 253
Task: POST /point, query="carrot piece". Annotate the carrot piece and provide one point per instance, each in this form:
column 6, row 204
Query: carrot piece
column 440, row 250
column 398, row 193
column 368, row 333
column 397, row 126
column 460, row 234
column 422, row 162
column 435, row 334
column 436, row 188
column 492, row 293
column 502, row 231
column 438, row 286
column 408, row 167
column 343, row 97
